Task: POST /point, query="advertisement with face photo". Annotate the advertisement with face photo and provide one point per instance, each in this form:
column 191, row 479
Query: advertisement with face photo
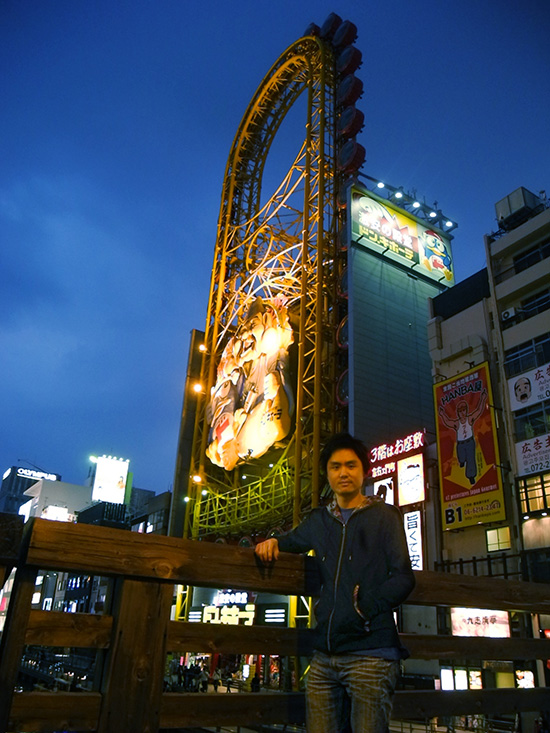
column 529, row 388
column 471, row 484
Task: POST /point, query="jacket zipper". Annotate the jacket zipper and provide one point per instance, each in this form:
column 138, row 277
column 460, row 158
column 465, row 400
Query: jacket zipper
column 336, row 578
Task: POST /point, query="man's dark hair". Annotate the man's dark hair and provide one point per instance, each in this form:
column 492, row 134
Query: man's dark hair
column 345, row 440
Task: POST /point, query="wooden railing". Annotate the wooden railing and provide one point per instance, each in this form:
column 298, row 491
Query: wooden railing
column 137, row 633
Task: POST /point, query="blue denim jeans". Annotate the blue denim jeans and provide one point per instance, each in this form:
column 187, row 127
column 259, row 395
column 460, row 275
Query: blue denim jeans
column 348, row 692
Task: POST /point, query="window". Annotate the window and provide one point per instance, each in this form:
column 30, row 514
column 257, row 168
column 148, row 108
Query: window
column 534, row 493
column 531, row 256
column 498, row 539
column 527, row 356
column 532, row 421
column 529, row 307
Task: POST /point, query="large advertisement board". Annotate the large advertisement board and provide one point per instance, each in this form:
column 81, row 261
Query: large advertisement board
column 110, row 480
column 252, row 402
column 470, row 480
column 400, row 236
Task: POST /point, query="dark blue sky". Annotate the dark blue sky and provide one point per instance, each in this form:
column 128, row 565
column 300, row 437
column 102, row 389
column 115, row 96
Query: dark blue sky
column 117, row 119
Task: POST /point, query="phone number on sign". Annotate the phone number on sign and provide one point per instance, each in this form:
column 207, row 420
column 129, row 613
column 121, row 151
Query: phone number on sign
column 538, row 466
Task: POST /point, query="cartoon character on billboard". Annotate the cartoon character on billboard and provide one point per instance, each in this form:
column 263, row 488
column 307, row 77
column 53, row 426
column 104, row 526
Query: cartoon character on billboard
column 251, row 403
column 465, row 439
column 434, row 253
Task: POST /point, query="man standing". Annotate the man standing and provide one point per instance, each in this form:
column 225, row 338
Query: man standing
column 361, row 550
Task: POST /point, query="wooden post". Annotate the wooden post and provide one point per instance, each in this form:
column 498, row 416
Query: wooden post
column 133, row 684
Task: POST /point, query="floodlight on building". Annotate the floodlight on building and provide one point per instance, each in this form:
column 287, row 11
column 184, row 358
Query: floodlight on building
column 449, row 223
column 197, row 479
column 202, row 347
column 416, row 205
column 93, row 459
column 186, row 499
column 398, row 194
column 432, row 214
column 204, row 492
column 197, row 387
column 380, row 184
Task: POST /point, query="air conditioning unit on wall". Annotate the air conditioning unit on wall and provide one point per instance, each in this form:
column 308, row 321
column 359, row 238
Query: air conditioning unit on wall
column 508, row 314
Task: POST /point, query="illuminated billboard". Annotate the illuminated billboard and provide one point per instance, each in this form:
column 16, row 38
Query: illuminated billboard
column 480, row 622
column 251, row 403
column 399, row 464
column 470, row 480
column 400, row 236
column 110, row 479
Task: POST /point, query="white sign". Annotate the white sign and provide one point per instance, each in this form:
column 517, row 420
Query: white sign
column 533, row 455
column 410, row 479
column 413, row 532
column 110, row 480
column 530, row 388
column 29, row 473
column 480, row 622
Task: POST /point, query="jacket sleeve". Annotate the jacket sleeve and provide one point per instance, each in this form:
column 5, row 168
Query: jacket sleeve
column 399, row 577
column 298, row 539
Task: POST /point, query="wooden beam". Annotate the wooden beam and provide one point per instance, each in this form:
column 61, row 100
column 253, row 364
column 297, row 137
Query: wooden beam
column 11, row 532
column 228, row 639
column 450, row 589
column 186, row 710
column 51, row 711
column 425, row 704
column 469, row 647
column 107, row 551
column 54, row 628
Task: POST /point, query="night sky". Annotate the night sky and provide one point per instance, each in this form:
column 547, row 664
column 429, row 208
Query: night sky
column 117, row 120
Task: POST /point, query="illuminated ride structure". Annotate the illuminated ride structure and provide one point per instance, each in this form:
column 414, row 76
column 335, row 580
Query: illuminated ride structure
column 279, row 258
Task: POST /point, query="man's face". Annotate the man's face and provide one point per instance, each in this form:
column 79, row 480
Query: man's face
column 345, row 474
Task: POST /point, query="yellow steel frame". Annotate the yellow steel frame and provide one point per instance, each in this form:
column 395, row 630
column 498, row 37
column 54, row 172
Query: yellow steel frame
column 286, row 246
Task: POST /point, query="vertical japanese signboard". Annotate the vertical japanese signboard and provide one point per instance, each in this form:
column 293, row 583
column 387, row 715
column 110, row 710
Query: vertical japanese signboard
column 471, row 484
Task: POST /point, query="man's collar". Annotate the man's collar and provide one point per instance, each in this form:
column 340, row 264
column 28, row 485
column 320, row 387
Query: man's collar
column 366, row 501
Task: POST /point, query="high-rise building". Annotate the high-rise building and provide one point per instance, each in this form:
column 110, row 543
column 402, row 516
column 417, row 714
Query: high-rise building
column 15, row 481
column 490, row 345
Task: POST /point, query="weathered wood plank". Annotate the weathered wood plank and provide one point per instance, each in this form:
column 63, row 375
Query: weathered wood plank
column 11, row 532
column 13, row 637
column 228, row 639
column 53, row 628
column 449, row 589
column 54, row 711
column 465, row 647
column 132, row 687
column 43, row 711
column 425, row 704
column 185, row 710
column 106, row 551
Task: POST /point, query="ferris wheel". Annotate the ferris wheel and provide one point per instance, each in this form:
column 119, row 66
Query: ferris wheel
column 274, row 351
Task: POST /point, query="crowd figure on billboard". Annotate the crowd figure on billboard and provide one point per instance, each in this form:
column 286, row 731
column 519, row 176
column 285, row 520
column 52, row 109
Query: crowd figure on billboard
column 252, row 402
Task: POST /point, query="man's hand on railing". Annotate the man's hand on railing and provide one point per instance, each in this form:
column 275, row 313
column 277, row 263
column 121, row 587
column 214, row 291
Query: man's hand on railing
column 268, row 550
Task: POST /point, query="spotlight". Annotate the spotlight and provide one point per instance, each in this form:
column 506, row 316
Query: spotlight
column 380, row 184
column 416, row 205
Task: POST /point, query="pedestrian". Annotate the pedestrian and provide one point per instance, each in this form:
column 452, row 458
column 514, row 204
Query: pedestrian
column 228, row 680
column 216, row 679
column 255, row 683
column 203, row 678
column 361, row 551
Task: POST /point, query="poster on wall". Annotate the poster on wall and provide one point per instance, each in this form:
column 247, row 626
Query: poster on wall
column 400, row 236
column 251, row 403
column 529, row 388
column 470, row 480
column 533, row 455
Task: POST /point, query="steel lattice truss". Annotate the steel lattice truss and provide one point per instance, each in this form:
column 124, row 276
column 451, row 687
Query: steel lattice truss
column 283, row 248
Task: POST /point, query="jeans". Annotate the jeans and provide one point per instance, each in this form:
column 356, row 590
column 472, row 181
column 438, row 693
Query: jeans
column 348, row 692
